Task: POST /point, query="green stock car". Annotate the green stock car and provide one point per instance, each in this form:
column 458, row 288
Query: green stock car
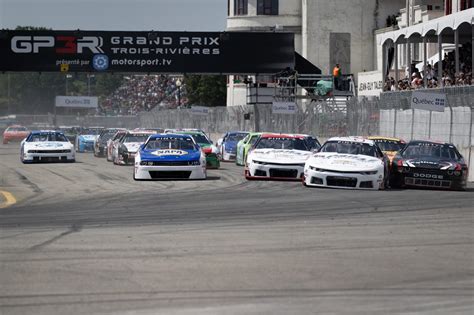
column 244, row 146
column 212, row 159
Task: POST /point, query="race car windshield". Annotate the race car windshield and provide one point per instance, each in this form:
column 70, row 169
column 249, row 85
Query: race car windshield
column 135, row 138
column 312, row 143
column 282, row 143
column 430, row 150
column 106, row 136
column 389, row 145
column 253, row 139
column 201, row 139
column 349, row 148
column 236, row 137
column 170, row 143
column 47, row 137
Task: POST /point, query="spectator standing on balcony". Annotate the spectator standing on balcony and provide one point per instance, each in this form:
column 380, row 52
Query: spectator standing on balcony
column 336, row 72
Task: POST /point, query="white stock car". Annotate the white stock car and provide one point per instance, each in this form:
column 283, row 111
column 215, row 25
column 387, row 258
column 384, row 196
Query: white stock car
column 47, row 146
column 277, row 156
column 128, row 145
column 347, row 162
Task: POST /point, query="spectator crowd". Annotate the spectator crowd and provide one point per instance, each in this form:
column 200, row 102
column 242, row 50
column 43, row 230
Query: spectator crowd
column 414, row 78
column 140, row 93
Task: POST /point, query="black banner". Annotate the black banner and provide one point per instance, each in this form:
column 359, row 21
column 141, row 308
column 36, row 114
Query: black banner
column 148, row 52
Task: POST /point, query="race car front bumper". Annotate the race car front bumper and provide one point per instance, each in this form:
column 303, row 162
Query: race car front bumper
column 274, row 171
column 229, row 156
column 48, row 157
column 144, row 172
column 426, row 178
column 346, row 180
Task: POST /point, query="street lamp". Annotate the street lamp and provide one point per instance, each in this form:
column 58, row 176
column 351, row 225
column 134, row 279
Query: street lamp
column 68, row 76
column 178, row 84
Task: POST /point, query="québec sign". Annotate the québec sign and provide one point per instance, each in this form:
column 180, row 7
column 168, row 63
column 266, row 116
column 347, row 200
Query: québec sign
column 428, row 101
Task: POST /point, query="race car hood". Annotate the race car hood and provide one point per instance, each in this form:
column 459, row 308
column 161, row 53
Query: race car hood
column 430, row 163
column 280, row 156
column 344, row 162
column 48, row 145
column 169, row 155
column 87, row 138
column 132, row 146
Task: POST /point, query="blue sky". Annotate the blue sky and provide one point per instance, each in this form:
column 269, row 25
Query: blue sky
column 120, row 15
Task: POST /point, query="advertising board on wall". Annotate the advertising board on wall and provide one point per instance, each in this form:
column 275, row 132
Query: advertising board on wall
column 158, row 52
column 77, row 101
column 199, row 110
column 428, row 101
column 370, row 83
column 284, row 108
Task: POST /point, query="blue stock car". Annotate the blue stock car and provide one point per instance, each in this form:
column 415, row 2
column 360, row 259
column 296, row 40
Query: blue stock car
column 86, row 138
column 227, row 145
column 170, row 156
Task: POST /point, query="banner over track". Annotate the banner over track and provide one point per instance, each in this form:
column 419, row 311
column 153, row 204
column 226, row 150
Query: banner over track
column 147, row 52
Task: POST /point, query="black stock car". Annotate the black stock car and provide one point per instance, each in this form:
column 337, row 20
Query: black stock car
column 429, row 164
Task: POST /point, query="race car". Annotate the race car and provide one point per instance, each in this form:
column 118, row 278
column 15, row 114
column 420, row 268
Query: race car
column 244, row 145
column 277, row 156
column 170, row 156
column 347, row 162
column 429, row 164
column 100, row 144
column 227, row 145
column 86, row 138
column 128, row 146
column 70, row 132
column 112, row 144
column 389, row 146
column 47, row 146
column 15, row 133
column 212, row 159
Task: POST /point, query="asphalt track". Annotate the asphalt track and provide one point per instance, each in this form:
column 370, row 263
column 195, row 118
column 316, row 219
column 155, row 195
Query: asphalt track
column 85, row 238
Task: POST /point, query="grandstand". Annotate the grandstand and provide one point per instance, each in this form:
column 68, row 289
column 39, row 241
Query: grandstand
column 140, row 93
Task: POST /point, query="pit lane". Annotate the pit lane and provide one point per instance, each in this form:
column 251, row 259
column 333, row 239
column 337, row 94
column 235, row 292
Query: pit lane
column 85, row 238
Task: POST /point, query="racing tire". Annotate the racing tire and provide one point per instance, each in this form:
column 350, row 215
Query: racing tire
column 5, row 142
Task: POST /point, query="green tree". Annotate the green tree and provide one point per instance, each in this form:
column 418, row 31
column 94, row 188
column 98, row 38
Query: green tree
column 206, row 90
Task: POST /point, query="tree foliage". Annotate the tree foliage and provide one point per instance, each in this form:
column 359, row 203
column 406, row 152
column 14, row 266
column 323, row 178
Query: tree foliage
column 206, row 90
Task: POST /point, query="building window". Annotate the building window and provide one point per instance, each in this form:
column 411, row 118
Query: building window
column 448, row 7
column 240, row 7
column 466, row 4
column 267, row 7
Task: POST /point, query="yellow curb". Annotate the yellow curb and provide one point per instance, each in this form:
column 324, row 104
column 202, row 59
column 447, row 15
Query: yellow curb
column 9, row 199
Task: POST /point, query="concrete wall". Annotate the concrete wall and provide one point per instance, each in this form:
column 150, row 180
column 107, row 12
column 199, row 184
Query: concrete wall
column 359, row 18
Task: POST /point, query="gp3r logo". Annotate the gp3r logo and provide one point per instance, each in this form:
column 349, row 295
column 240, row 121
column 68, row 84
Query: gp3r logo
column 428, row 176
column 62, row 44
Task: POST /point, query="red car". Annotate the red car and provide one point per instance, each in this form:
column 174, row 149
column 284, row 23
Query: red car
column 15, row 133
